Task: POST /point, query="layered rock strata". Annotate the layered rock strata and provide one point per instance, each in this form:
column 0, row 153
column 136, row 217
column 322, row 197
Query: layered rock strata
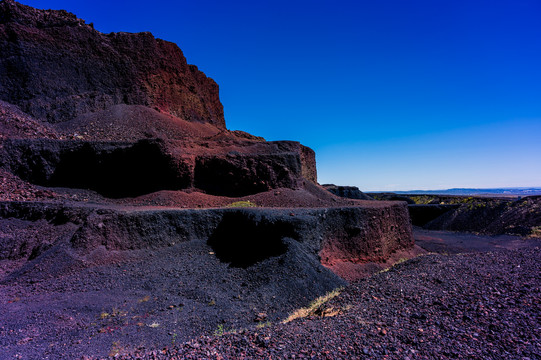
column 240, row 237
column 129, row 169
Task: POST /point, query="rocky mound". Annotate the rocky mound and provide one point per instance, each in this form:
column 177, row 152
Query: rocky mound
column 16, row 124
column 350, row 192
column 131, row 123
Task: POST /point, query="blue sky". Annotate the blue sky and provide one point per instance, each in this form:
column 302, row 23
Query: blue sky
column 392, row 95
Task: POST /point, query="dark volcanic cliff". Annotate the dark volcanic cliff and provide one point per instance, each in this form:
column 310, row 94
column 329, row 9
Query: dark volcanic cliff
column 55, row 67
column 116, row 169
column 99, row 95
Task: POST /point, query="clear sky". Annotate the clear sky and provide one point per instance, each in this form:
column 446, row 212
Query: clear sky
column 391, row 94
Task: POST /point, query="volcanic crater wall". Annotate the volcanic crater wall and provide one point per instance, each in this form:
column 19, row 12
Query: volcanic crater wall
column 240, row 237
column 54, row 66
column 130, row 169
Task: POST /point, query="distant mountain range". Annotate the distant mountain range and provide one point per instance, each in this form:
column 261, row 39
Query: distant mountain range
column 519, row 191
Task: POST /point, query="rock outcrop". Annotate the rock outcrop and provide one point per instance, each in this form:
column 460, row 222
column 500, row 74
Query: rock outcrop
column 350, row 192
column 55, row 67
column 240, row 237
column 493, row 216
column 478, row 214
column 129, row 169
column 102, row 100
column 106, row 122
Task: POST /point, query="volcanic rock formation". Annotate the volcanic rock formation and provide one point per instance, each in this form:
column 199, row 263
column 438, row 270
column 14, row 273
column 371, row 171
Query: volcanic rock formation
column 123, row 116
column 350, row 192
column 105, row 137
column 54, row 66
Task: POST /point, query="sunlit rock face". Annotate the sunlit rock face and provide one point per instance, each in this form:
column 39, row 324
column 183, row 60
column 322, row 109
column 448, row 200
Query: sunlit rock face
column 55, row 67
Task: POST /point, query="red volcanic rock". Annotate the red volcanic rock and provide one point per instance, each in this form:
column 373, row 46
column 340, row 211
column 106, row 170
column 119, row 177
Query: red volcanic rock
column 55, row 67
column 104, row 97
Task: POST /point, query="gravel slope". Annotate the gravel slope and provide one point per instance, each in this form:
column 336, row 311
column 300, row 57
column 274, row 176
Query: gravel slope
column 475, row 305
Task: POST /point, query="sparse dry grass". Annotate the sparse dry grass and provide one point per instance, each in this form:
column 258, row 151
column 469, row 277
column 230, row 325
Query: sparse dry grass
column 241, row 204
column 316, row 307
column 263, row 324
column 399, row 261
column 145, row 299
column 536, row 232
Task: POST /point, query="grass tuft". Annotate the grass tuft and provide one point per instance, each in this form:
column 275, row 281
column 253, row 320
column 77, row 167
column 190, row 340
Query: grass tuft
column 241, row 204
column 220, row 330
column 535, row 232
column 316, row 307
column 263, row 324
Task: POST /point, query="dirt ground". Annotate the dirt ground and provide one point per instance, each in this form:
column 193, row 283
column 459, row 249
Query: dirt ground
column 475, row 296
column 477, row 299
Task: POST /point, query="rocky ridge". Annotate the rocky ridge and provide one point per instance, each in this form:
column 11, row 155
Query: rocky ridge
column 350, row 192
column 512, row 215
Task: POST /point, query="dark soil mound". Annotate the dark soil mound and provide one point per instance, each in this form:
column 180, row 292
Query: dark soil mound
column 91, row 279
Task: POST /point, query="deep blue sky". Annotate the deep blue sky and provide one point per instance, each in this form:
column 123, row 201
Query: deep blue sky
column 392, row 95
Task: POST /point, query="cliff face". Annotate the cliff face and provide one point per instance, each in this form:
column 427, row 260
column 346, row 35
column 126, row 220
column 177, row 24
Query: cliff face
column 115, row 160
column 55, row 67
